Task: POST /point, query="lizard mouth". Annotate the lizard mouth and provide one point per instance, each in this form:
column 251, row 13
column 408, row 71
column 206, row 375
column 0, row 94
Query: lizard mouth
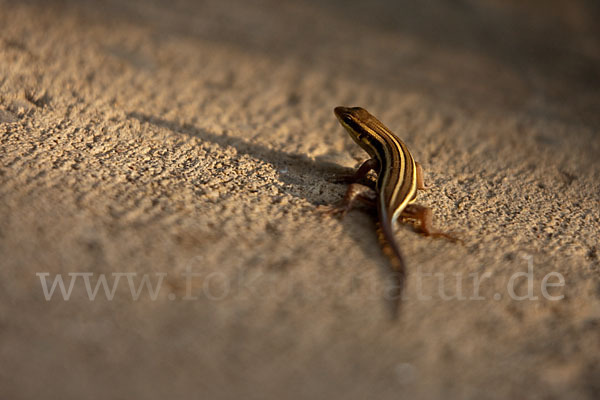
column 341, row 111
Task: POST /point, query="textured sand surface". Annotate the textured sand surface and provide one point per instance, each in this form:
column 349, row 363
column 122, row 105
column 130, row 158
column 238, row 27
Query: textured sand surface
column 146, row 137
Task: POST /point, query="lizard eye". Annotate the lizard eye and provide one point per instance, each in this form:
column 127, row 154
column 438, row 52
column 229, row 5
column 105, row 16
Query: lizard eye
column 347, row 119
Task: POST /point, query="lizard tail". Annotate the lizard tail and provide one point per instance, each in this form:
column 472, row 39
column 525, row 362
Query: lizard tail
column 398, row 270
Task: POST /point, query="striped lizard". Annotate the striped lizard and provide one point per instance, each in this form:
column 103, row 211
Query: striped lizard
column 394, row 191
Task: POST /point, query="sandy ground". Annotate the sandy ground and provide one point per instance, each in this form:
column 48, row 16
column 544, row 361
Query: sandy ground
column 146, row 139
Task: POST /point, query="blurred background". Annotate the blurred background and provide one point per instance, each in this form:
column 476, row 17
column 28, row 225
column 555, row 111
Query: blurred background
column 532, row 55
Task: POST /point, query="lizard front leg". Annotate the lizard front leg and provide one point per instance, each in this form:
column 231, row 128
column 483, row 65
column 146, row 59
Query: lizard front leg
column 355, row 193
column 420, row 180
column 361, row 173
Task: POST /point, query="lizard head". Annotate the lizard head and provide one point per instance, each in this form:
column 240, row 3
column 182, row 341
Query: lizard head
column 356, row 120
